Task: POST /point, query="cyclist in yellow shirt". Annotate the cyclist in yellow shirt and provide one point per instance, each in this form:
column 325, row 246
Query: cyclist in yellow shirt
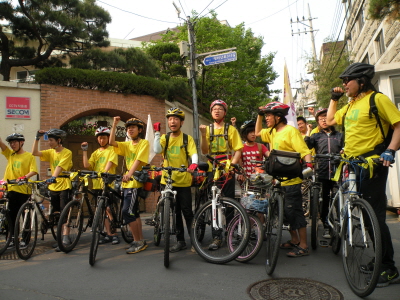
column 219, row 140
column 284, row 137
column 104, row 159
column 136, row 153
column 364, row 136
column 60, row 159
column 176, row 156
column 21, row 166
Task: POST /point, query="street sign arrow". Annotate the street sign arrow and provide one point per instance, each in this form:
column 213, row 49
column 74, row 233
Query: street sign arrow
column 220, row 58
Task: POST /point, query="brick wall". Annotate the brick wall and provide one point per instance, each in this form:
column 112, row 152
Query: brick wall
column 60, row 105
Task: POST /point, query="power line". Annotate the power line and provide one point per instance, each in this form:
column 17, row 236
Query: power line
column 274, row 13
column 182, row 8
column 215, row 8
column 129, row 12
column 204, row 9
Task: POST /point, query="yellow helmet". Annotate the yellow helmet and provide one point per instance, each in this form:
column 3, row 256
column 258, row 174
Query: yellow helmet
column 176, row 112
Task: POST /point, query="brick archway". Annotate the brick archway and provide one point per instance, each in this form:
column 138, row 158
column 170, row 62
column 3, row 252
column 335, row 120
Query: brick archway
column 60, row 105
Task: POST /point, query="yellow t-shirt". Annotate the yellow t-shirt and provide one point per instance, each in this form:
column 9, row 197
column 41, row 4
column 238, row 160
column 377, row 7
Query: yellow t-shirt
column 98, row 162
column 288, row 139
column 176, row 157
column 362, row 133
column 219, row 143
column 61, row 159
column 18, row 166
column 131, row 152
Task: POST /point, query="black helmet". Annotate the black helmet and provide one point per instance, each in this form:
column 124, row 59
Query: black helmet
column 56, row 133
column 249, row 123
column 15, row 137
column 358, row 70
column 134, row 121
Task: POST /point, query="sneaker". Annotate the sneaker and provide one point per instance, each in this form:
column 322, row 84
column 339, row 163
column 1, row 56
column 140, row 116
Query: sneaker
column 140, row 246
column 134, row 243
column 115, row 240
column 215, row 244
column 368, row 268
column 106, row 239
column 327, row 233
column 180, row 245
column 193, row 250
column 387, row 277
column 22, row 245
column 150, row 222
column 66, row 240
column 11, row 245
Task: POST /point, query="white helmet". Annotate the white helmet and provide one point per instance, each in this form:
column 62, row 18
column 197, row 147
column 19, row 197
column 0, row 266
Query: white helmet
column 102, row 131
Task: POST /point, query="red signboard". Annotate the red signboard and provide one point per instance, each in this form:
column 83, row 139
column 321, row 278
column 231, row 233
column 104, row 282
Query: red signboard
column 18, row 108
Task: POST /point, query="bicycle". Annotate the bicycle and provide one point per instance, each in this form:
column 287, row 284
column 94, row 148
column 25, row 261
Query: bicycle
column 72, row 217
column 5, row 220
column 214, row 218
column 29, row 217
column 114, row 206
column 354, row 225
column 255, row 202
column 164, row 219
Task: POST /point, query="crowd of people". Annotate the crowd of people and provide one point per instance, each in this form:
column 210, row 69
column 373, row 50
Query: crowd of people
column 362, row 135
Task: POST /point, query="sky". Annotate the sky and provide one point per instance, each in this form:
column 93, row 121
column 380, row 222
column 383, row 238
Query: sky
column 269, row 19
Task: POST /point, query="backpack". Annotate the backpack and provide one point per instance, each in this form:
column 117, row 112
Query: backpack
column 185, row 144
column 225, row 136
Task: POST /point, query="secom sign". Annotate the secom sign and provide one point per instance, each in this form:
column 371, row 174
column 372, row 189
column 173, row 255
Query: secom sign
column 18, row 108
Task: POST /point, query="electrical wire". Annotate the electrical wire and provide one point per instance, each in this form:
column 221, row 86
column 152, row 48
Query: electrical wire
column 136, row 14
column 273, row 13
column 182, row 8
column 215, row 8
column 198, row 16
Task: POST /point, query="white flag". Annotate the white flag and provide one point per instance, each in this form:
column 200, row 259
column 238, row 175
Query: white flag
column 288, row 98
column 150, row 138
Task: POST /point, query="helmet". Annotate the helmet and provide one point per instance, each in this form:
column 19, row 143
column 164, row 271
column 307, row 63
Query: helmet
column 276, row 108
column 219, row 102
column 134, row 121
column 102, row 131
column 15, row 137
column 319, row 112
column 358, row 70
column 177, row 112
column 248, row 123
column 56, row 133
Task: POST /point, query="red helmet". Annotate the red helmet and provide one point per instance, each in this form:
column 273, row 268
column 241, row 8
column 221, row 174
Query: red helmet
column 219, row 102
column 276, row 108
column 319, row 112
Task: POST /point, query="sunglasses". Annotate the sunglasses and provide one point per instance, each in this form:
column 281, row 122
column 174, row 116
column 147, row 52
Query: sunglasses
column 347, row 80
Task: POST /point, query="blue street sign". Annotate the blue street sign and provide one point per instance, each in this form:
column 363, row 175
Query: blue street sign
column 220, row 58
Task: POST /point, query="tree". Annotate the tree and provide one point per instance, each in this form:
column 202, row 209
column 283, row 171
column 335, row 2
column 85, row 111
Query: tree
column 327, row 72
column 41, row 27
column 243, row 84
column 168, row 57
column 379, row 9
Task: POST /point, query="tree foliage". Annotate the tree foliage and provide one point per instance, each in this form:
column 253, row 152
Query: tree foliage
column 379, row 9
column 131, row 60
column 42, row 27
column 243, row 84
column 326, row 72
column 168, row 57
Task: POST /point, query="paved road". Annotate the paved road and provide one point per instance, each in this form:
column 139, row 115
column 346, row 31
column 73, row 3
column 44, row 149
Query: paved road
column 116, row 275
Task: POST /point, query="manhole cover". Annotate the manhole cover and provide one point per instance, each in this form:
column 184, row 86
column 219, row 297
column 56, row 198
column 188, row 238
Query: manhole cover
column 40, row 248
column 293, row 288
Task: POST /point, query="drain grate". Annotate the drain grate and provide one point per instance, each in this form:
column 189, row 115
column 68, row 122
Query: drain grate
column 39, row 249
column 292, row 288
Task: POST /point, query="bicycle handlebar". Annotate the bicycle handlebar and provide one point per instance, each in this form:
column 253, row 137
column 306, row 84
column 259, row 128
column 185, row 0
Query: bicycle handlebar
column 337, row 158
column 212, row 159
column 181, row 169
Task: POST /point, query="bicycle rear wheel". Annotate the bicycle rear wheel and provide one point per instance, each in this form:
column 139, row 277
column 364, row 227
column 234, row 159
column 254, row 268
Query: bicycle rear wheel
column 25, row 231
column 227, row 210
column 70, row 224
column 5, row 229
column 254, row 245
column 167, row 228
column 314, row 216
column 158, row 221
column 53, row 222
column 97, row 228
column 273, row 231
column 361, row 246
column 334, row 218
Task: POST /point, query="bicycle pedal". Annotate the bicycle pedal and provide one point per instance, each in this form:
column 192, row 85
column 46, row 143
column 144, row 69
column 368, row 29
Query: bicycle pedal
column 323, row 243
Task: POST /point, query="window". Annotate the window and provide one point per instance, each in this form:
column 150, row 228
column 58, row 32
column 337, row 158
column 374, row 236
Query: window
column 365, row 59
column 26, row 76
column 396, row 90
column 360, row 19
column 22, row 75
column 380, row 45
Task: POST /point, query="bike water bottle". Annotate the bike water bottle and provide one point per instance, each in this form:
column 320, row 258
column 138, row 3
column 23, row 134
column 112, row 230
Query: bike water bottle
column 44, row 209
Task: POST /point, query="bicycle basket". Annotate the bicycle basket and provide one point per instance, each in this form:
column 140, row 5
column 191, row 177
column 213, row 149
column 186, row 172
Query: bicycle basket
column 41, row 193
column 198, row 177
column 284, row 164
column 252, row 202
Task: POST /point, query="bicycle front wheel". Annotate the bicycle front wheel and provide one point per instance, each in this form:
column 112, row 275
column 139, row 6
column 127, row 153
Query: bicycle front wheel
column 158, row 220
column 167, row 207
column 97, row 228
column 314, row 217
column 361, row 247
column 214, row 245
column 25, row 231
column 254, row 245
column 70, row 226
column 5, row 230
column 273, row 231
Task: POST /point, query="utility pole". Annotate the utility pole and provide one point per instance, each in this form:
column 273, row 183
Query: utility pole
column 311, row 30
